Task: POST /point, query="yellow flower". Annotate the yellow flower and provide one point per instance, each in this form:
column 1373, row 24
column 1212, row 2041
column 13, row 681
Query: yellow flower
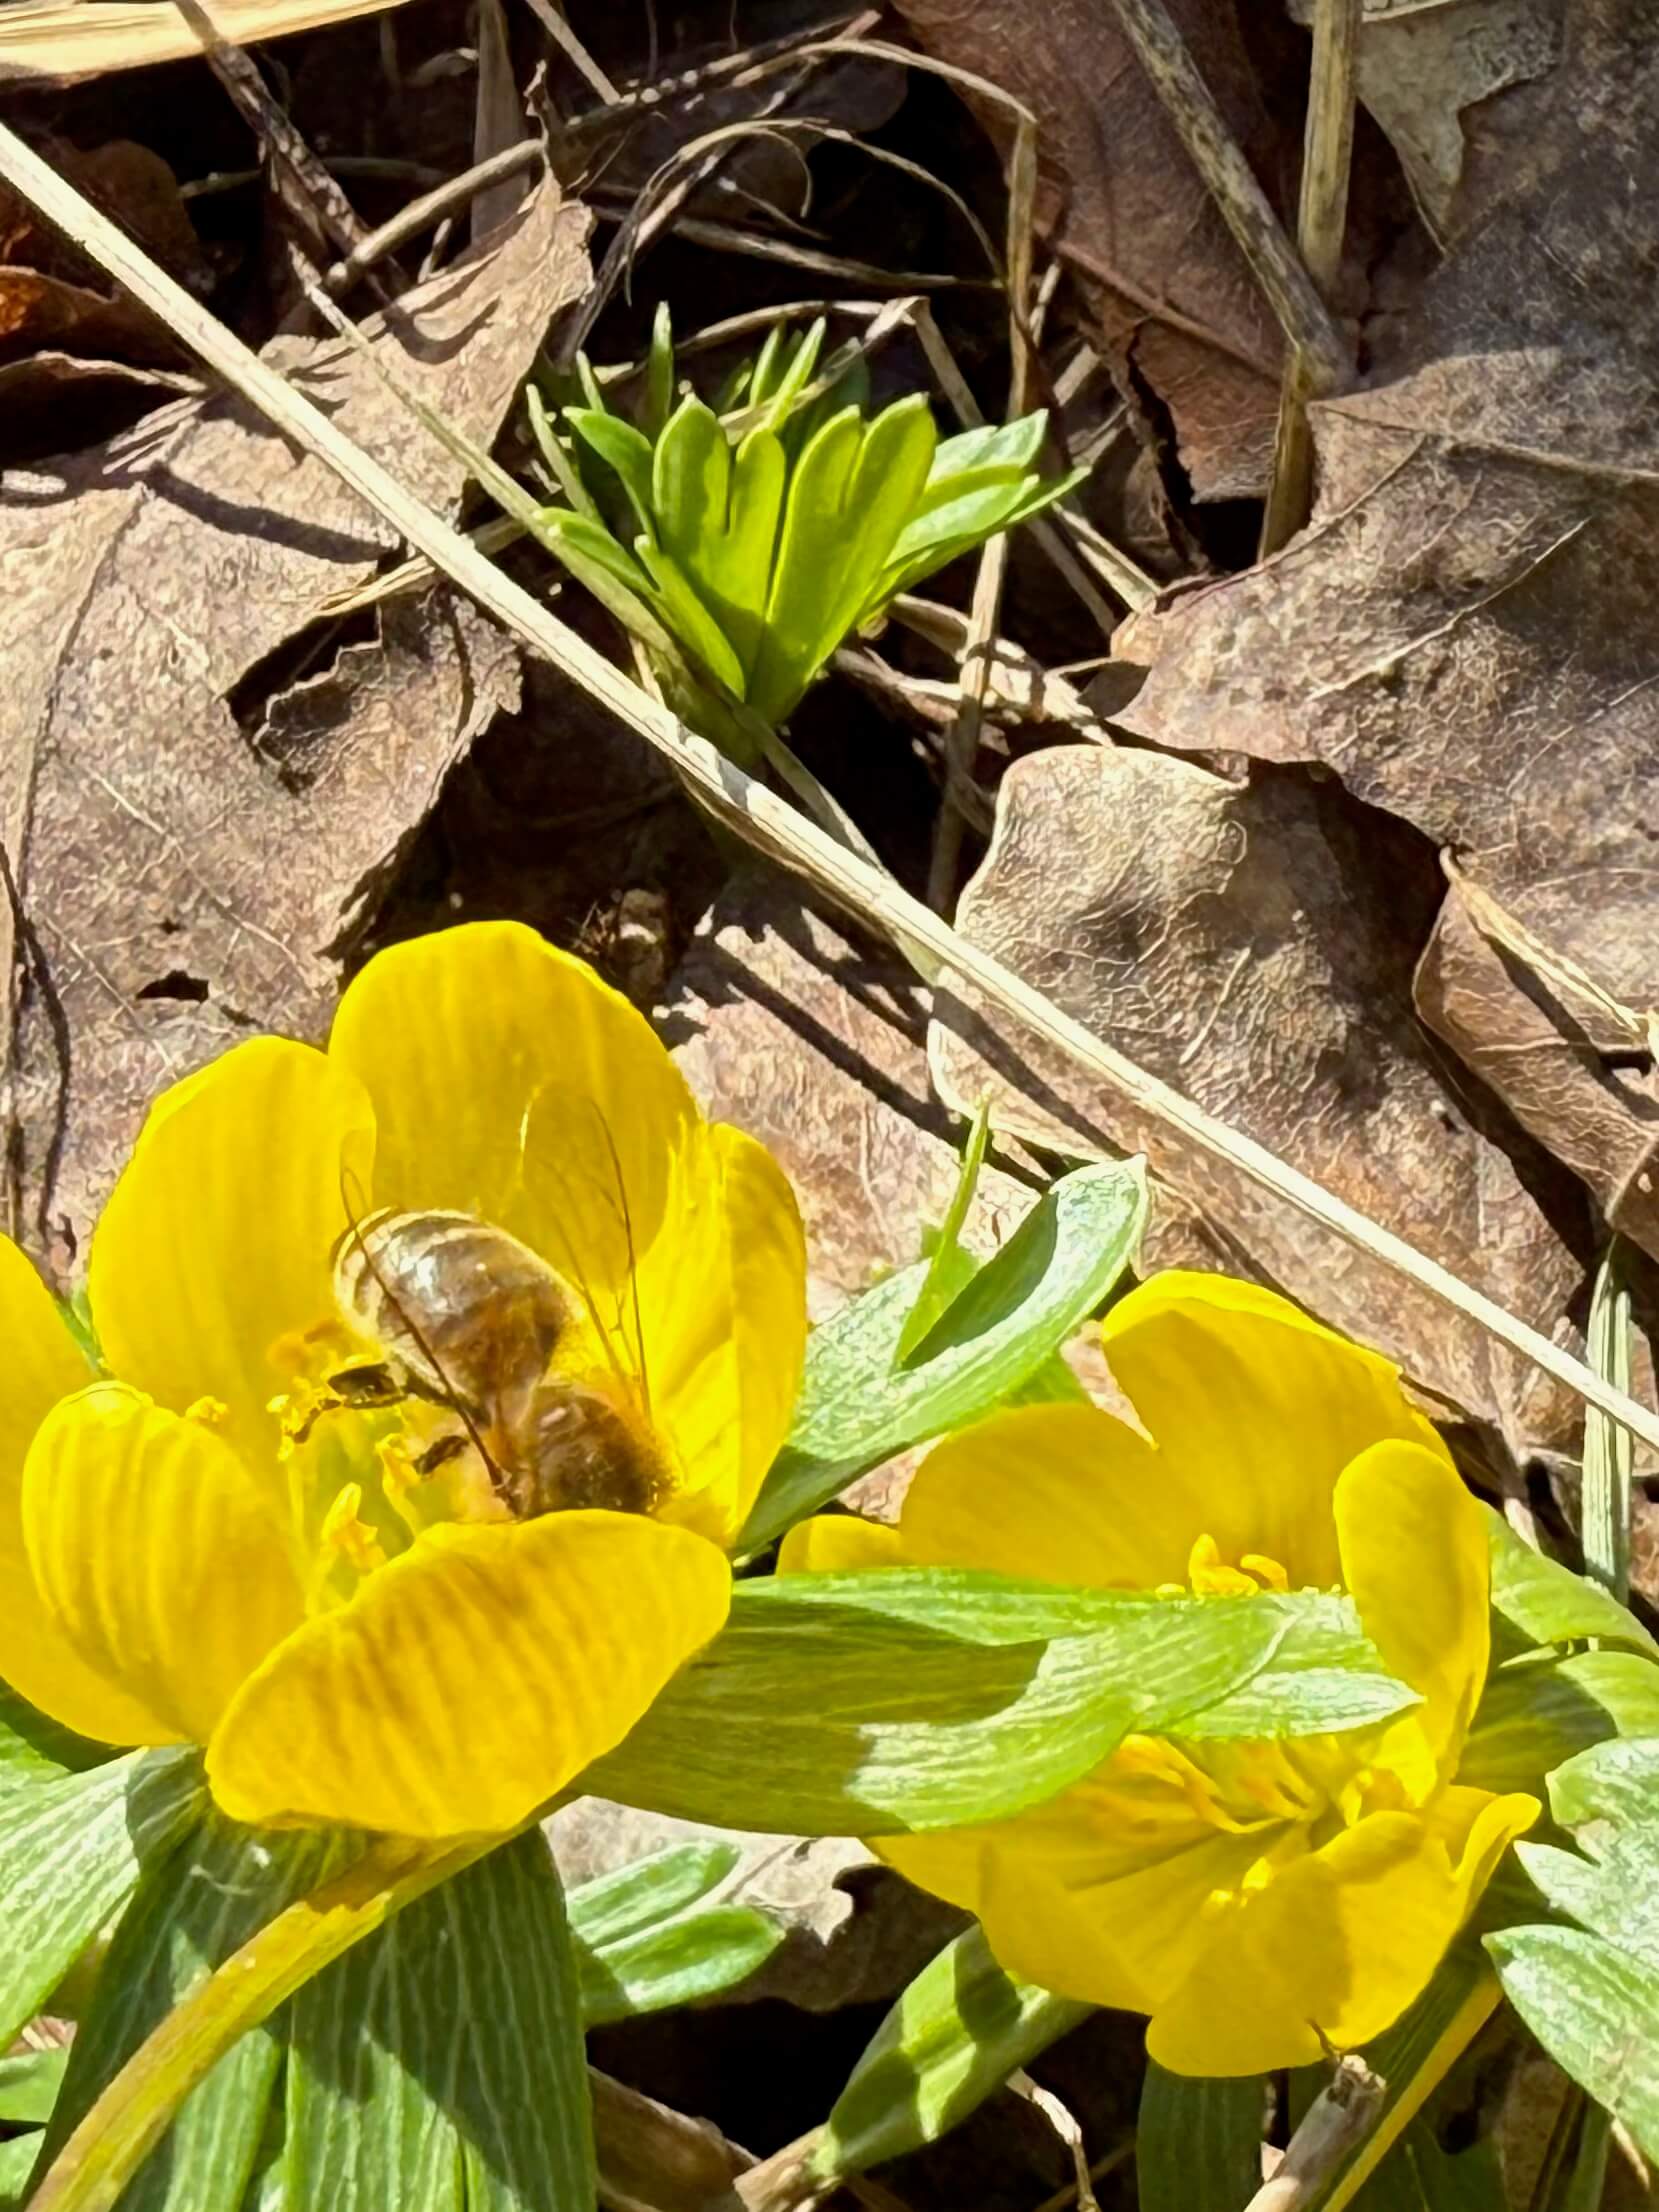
column 1255, row 1897
column 246, row 1536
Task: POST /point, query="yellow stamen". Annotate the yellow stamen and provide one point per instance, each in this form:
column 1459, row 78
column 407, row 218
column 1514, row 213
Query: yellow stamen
column 1267, row 1572
column 345, row 1531
column 211, row 1413
column 1209, row 1577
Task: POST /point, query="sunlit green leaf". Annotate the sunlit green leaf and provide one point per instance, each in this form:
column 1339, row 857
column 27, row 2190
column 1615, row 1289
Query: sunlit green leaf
column 858, row 1406
column 439, row 2064
column 189, row 1913
column 659, row 372
column 620, row 1904
column 949, row 1268
column 954, row 2036
column 1591, row 1993
column 683, row 1961
column 621, row 447
column 929, row 1697
column 688, row 618
column 1541, row 1602
column 29, row 2085
column 1538, row 1712
column 71, row 1849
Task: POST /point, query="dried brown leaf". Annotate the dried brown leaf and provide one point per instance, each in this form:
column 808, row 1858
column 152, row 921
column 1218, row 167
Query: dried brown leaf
column 1236, row 941
column 184, row 858
column 1466, row 633
column 1419, row 69
column 802, row 1032
column 1601, row 1122
column 1180, row 314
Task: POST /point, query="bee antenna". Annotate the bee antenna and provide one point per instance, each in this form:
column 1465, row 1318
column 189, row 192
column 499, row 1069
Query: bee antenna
column 457, row 1404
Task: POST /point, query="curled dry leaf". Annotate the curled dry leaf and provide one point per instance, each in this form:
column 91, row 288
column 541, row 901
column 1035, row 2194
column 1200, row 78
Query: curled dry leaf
column 1180, row 314
column 1498, row 1012
column 1419, row 68
column 145, row 785
column 1253, row 946
column 1466, row 632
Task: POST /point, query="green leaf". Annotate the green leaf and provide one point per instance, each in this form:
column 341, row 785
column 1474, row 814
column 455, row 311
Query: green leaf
column 1591, row 1994
column 769, row 366
column 17, row 2163
column 71, row 1849
column 456, row 2026
column 869, row 1704
column 698, row 1955
column 35, row 1748
column 949, row 1268
column 796, row 376
column 653, row 1889
column 1542, row 1602
column 1537, row 1712
column 1198, row 2142
column 718, row 515
column 623, row 448
column 190, row 1912
column 983, row 512
column 562, row 468
column 849, row 496
column 607, row 570
column 1596, row 2012
column 29, row 2085
column 1419, row 2176
column 1008, row 445
column 958, row 2031
column 858, row 1406
column 688, row 618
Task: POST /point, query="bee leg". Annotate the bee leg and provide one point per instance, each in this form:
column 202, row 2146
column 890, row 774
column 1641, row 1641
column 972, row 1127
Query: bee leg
column 367, row 1387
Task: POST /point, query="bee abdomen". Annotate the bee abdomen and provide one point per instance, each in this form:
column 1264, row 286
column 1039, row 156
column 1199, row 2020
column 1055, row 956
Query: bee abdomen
column 578, row 1450
column 463, row 1307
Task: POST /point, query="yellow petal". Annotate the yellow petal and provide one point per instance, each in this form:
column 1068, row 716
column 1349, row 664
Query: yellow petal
column 1341, row 1941
column 1415, row 1560
column 156, row 1555
column 472, row 1678
column 1082, row 1896
column 838, row 1543
column 43, row 1364
column 722, row 1314
column 1261, row 1406
column 217, row 1241
column 508, row 1081
column 1060, row 1493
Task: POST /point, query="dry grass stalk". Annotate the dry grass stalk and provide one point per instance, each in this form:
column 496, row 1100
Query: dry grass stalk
column 59, row 41
column 1322, row 218
column 974, row 669
column 1191, row 107
column 754, row 813
column 1340, row 2117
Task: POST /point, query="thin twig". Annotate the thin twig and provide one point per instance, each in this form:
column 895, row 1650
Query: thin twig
column 1321, row 223
column 757, row 814
column 1339, row 2118
column 1134, row 587
column 552, row 18
column 1248, row 213
column 1605, row 1503
column 303, row 182
column 430, row 208
column 962, row 742
column 1064, row 2122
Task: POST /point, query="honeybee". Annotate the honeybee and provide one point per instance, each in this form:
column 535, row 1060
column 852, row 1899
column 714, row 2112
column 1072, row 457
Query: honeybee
column 472, row 1318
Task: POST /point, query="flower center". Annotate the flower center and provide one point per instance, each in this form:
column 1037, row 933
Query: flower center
column 462, row 1379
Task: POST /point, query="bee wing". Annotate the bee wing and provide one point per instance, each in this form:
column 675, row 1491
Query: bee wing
column 585, row 1221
